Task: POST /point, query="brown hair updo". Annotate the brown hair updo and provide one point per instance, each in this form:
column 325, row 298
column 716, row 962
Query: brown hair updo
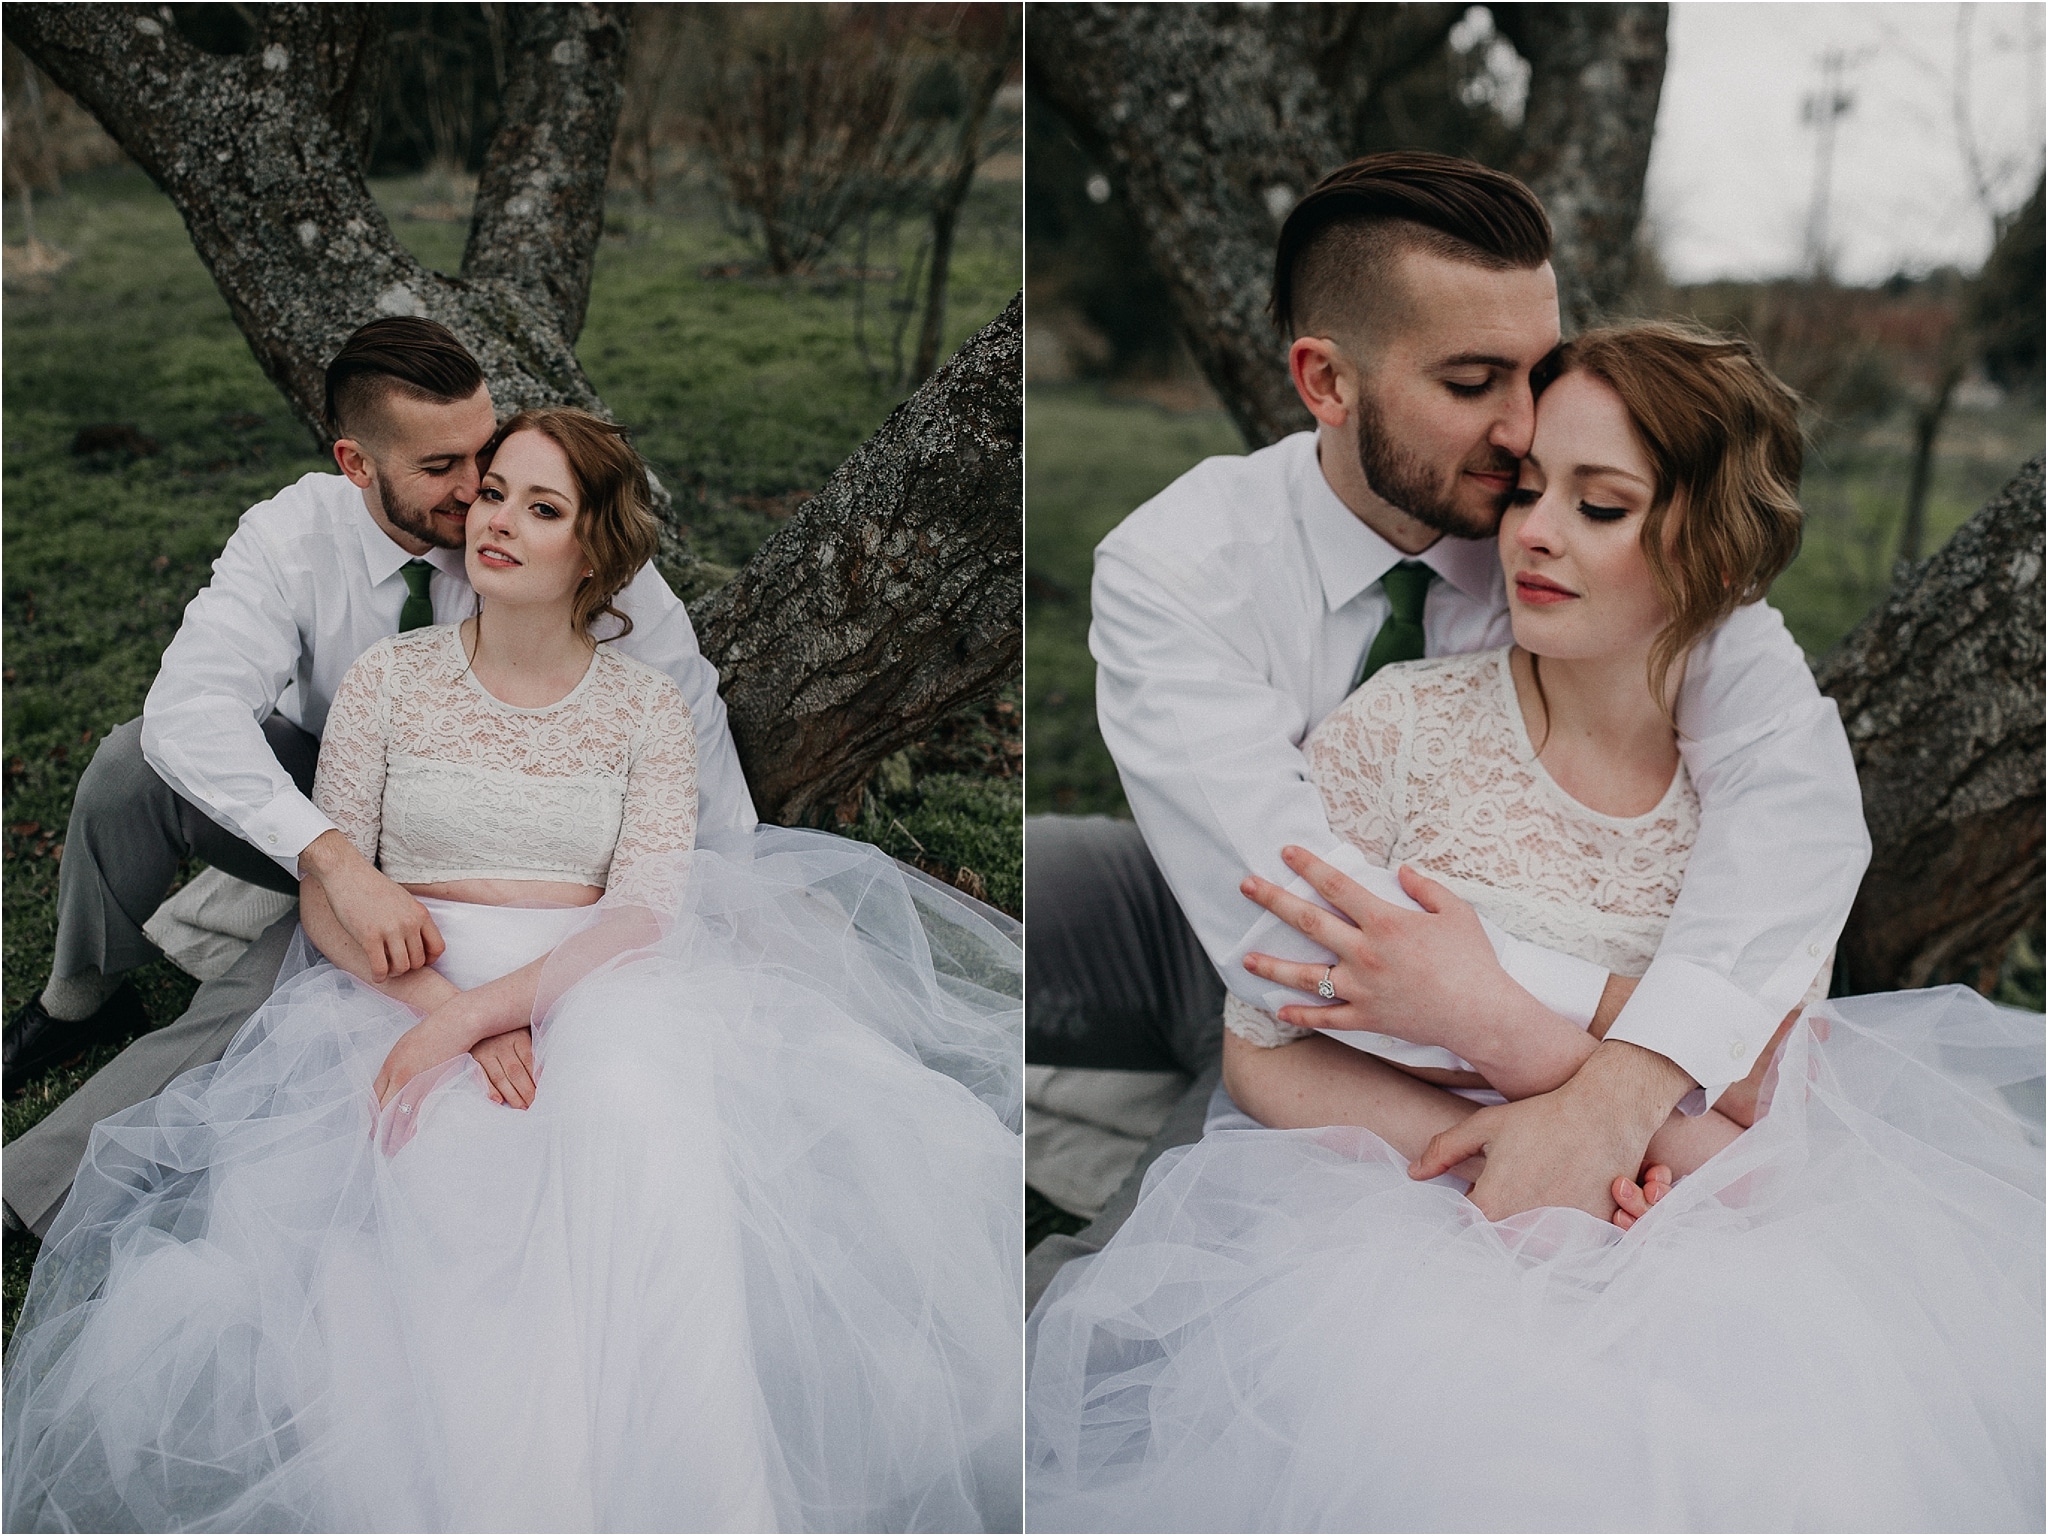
column 615, row 525
column 1722, row 432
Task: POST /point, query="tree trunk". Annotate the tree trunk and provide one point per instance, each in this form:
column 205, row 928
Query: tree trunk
column 893, row 597
column 1596, row 73
column 1214, row 121
column 1216, row 118
column 1940, row 689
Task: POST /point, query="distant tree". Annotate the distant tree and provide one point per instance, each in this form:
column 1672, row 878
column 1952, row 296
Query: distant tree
column 810, row 117
column 981, row 46
column 1997, row 327
column 263, row 151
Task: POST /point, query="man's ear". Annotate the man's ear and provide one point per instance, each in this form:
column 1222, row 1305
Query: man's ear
column 1324, row 378
column 353, row 460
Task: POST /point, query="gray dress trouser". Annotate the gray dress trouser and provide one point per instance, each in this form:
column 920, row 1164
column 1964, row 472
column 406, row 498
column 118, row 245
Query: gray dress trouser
column 128, row 833
column 1113, row 977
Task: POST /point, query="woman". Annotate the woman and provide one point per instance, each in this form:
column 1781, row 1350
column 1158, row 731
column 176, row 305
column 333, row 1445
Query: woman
column 678, row 1193
column 1831, row 1321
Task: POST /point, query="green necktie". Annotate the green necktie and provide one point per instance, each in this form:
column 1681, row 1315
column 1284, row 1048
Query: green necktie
column 1400, row 638
column 418, row 611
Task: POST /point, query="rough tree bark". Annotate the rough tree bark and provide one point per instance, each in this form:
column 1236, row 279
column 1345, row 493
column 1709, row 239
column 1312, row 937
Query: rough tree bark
column 1940, row 690
column 1215, row 118
column 891, row 598
column 263, row 155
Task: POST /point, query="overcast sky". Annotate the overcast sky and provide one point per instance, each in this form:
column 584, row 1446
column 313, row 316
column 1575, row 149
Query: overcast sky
column 1732, row 167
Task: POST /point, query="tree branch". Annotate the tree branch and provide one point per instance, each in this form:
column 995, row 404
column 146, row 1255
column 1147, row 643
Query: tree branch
column 892, row 598
column 540, row 200
column 1940, row 690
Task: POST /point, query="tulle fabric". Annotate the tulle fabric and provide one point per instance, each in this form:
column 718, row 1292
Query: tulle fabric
column 751, row 1261
column 1834, row 1325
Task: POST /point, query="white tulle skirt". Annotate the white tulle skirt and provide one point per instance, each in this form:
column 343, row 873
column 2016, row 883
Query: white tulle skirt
column 1836, row 1324
column 750, row 1262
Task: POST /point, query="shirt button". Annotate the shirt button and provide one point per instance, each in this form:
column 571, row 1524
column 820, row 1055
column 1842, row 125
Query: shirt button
column 272, row 839
column 1735, row 1050
column 1813, row 950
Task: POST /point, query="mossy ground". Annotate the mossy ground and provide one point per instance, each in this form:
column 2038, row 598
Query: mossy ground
column 744, row 393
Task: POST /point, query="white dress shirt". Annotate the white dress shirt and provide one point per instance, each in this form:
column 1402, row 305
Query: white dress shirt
column 1231, row 613
column 307, row 583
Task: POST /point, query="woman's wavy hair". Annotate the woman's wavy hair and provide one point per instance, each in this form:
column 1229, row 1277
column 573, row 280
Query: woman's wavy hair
column 615, row 525
column 1723, row 436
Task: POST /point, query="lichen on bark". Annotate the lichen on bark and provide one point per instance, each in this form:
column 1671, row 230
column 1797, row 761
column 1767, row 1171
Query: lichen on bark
column 894, row 596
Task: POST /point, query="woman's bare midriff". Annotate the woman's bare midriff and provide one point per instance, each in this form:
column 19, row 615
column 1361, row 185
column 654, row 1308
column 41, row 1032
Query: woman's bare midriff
column 511, row 893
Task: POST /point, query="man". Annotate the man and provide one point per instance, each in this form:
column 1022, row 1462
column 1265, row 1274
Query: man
column 220, row 766
column 1237, row 608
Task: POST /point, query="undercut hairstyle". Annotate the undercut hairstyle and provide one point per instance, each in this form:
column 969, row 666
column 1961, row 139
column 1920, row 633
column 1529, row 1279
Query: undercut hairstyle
column 615, row 525
column 399, row 355
column 1333, row 269
column 1722, row 432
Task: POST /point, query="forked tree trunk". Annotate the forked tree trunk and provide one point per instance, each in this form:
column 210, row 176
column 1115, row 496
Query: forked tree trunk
column 1214, row 119
column 263, row 155
column 1940, row 689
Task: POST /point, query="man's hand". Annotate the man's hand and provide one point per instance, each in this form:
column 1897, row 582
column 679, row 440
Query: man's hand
column 378, row 913
column 1566, row 1147
column 507, row 1061
column 1421, row 976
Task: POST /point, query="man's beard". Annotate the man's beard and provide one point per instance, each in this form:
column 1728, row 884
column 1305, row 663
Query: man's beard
column 1414, row 487
column 420, row 521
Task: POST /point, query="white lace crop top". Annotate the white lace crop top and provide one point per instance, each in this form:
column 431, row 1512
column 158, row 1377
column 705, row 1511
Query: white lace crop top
column 432, row 778
column 1430, row 764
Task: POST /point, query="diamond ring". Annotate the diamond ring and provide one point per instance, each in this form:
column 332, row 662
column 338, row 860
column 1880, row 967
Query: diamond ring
column 1327, row 988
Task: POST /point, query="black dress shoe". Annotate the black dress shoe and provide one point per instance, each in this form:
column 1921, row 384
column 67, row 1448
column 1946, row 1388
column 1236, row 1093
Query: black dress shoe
column 34, row 1042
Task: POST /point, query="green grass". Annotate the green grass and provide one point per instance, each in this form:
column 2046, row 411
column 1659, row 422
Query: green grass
column 1088, row 460
column 743, row 393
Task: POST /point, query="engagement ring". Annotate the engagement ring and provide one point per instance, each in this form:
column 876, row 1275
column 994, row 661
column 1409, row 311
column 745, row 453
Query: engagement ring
column 1325, row 987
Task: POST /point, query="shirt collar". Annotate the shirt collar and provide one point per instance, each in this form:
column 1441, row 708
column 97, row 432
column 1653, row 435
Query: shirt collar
column 1350, row 556
column 383, row 557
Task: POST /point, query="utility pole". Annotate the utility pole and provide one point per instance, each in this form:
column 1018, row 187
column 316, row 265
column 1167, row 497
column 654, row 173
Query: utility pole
column 1822, row 110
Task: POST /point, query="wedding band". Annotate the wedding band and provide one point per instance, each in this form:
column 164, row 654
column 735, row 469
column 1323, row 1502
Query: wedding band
column 1326, row 988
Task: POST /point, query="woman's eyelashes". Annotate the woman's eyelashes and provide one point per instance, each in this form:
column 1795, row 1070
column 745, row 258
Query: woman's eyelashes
column 1603, row 514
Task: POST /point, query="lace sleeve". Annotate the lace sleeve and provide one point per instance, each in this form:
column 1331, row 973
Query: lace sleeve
column 661, row 789
column 1258, row 1026
column 348, row 784
column 1354, row 757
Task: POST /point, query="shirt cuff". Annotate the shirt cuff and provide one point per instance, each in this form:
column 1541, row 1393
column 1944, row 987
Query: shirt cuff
column 1562, row 983
column 283, row 828
column 1699, row 1020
